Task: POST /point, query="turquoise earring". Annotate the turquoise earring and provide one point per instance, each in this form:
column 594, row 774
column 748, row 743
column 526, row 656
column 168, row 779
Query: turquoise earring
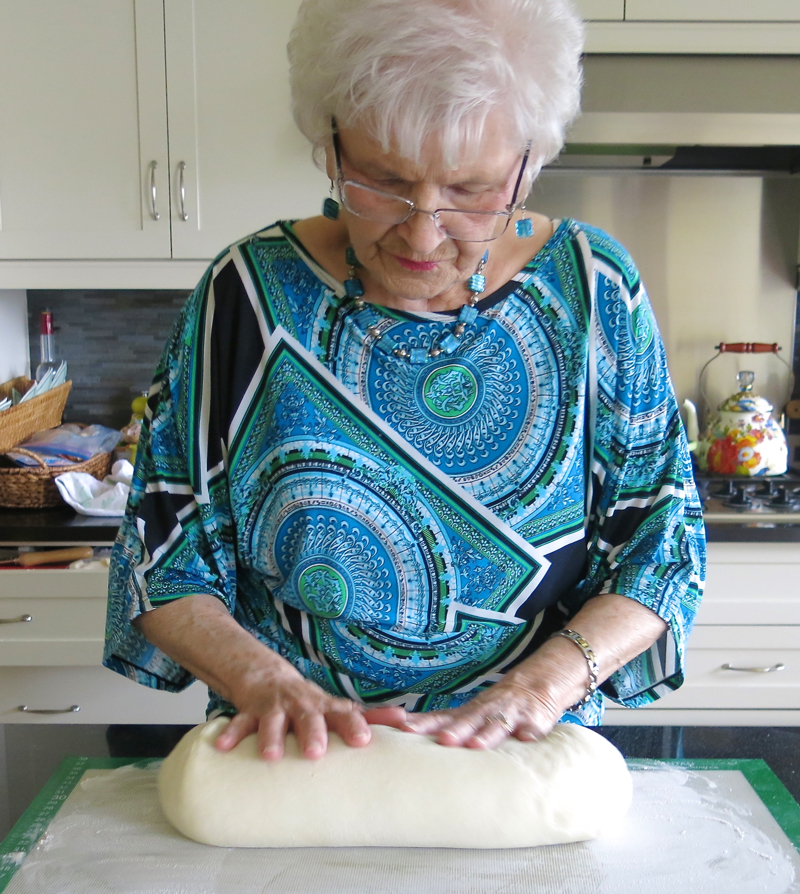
column 477, row 282
column 524, row 227
column 353, row 287
column 330, row 207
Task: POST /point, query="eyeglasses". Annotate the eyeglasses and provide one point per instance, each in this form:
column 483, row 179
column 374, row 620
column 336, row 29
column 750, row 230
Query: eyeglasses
column 460, row 224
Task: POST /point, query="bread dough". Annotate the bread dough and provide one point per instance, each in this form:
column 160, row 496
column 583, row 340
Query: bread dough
column 401, row 790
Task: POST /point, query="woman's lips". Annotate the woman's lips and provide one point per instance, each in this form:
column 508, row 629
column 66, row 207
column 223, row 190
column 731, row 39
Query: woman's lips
column 416, row 265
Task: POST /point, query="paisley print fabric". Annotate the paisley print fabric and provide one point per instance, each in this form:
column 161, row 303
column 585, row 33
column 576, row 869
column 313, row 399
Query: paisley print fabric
column 405, row 532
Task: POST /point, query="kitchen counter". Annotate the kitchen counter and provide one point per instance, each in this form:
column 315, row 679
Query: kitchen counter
column 62, row 525
column 30, row 753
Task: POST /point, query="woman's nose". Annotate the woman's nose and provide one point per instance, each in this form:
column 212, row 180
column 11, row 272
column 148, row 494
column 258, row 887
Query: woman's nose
column 421, row 233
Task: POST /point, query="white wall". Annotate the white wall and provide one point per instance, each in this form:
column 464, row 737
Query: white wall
column 14, row 350
column 717, row 254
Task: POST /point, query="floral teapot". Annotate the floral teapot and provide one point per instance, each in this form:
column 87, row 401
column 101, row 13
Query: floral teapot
column 743, row 438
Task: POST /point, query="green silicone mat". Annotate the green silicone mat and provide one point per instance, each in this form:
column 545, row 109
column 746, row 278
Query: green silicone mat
column 34, row 822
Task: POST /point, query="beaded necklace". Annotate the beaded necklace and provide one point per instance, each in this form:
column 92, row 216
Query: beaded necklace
column 447, row 344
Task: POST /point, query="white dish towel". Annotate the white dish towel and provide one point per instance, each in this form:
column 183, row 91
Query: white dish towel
column 88, row 496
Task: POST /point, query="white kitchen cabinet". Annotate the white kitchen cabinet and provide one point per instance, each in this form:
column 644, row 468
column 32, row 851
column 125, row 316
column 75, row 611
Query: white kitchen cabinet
column 743, row 657
column 52, row 624
column 82, row 129
column 92, row 695
column 237, row 161
column 602, row 10
column 712, row 11
column 88, row 93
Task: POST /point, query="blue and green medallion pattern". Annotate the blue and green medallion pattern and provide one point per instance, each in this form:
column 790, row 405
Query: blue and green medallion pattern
column 405, row 532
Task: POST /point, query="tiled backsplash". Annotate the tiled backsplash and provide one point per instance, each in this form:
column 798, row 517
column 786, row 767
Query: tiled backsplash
column 111, row 341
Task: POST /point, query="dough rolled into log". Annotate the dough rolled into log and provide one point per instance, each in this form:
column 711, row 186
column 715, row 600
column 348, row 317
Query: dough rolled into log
column 401, row 790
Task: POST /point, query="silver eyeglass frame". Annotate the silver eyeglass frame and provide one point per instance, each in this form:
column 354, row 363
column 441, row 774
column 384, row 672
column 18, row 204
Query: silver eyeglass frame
column 341, row 182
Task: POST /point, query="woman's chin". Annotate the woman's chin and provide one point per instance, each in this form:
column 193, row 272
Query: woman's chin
column 408, row 291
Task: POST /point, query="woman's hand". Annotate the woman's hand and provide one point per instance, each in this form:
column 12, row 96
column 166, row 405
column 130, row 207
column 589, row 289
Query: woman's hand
column 527, row 703
column 270, row 694
column 530, row 699
column 489, row 719
column 271, row 704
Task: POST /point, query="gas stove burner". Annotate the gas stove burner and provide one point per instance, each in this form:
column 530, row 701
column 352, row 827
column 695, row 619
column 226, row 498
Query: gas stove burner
column 722, row 489
column 767, row 488
column 785, row 500
column 768, row 500
column 740, row 498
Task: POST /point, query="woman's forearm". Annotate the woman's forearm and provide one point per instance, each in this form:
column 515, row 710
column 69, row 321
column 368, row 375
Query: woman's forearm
column 616, row 627
column 199, row 633
column 270, row 694
column 531, row 698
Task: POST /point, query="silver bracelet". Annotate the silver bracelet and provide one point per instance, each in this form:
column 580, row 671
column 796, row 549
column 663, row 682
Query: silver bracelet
column 588, row 654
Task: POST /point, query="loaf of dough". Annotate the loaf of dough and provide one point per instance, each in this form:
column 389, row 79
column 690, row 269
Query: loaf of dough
column 401, row 790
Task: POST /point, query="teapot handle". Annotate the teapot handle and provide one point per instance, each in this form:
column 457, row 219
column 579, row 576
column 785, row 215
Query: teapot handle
column 745, row 347
column 748, row 347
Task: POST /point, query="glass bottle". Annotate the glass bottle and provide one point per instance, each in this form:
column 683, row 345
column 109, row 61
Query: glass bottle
column 46, row 346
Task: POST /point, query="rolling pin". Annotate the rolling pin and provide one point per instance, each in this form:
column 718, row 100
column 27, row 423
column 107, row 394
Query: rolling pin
column 50, row 557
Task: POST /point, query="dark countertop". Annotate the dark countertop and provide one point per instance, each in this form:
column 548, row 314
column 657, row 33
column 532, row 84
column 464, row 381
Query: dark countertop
column 30, row 753
column 63, row 525
column 60, row 525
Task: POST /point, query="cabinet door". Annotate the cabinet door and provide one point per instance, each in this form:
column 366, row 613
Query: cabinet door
column 712, row 11
column 237, row 161
column 82, row 119
column 602, row 10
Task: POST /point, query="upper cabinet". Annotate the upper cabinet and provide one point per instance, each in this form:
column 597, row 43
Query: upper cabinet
column 143, row 129
column 602, row 10
column 712, row 11
column 237, row 162
column 152, row 133
column 690, row 10
column 83, row 130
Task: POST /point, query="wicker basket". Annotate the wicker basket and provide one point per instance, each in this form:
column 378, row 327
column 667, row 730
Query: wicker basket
column 18, row 423
column 34, row 488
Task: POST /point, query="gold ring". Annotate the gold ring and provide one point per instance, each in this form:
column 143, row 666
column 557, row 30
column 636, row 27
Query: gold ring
column 501, row 718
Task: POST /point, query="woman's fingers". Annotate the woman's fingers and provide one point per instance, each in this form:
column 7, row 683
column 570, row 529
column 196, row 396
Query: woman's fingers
column 351, row 725
column 386, row 716
column 312, row 733
column 271, row 734
column 502, row 711
column 427, row 724
column 239, row 727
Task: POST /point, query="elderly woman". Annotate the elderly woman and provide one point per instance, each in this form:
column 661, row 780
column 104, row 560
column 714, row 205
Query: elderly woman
column 416, row 461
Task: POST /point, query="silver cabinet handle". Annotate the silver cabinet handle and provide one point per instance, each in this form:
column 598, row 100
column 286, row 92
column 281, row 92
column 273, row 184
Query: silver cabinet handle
column 755, row 670
column 22, row 619
column 71, row 710
column 182, row 190
column 153, row 194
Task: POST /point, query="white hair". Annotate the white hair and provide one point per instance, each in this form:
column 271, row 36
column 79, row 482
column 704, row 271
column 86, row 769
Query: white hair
column 409, row 69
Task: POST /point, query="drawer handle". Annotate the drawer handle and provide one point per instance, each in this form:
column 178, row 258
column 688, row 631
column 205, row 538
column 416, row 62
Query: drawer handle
column 71, row 710
column 755, row 670
column 22, row 619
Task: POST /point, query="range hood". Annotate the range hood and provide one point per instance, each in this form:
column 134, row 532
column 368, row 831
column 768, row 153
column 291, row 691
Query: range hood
column 687, row 113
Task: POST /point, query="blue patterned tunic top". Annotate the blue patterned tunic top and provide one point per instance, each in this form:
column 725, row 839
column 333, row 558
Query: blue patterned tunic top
column 406, row 532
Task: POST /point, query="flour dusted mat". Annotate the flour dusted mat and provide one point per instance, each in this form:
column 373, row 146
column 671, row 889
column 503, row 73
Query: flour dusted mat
column 693, row 826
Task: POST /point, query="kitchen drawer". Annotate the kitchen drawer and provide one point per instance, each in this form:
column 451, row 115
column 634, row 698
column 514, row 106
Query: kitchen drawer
column 44, row 583
column 52, row 617
column 710, row 684
column 102, row 696
column 60, row 631
column 751, row 594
